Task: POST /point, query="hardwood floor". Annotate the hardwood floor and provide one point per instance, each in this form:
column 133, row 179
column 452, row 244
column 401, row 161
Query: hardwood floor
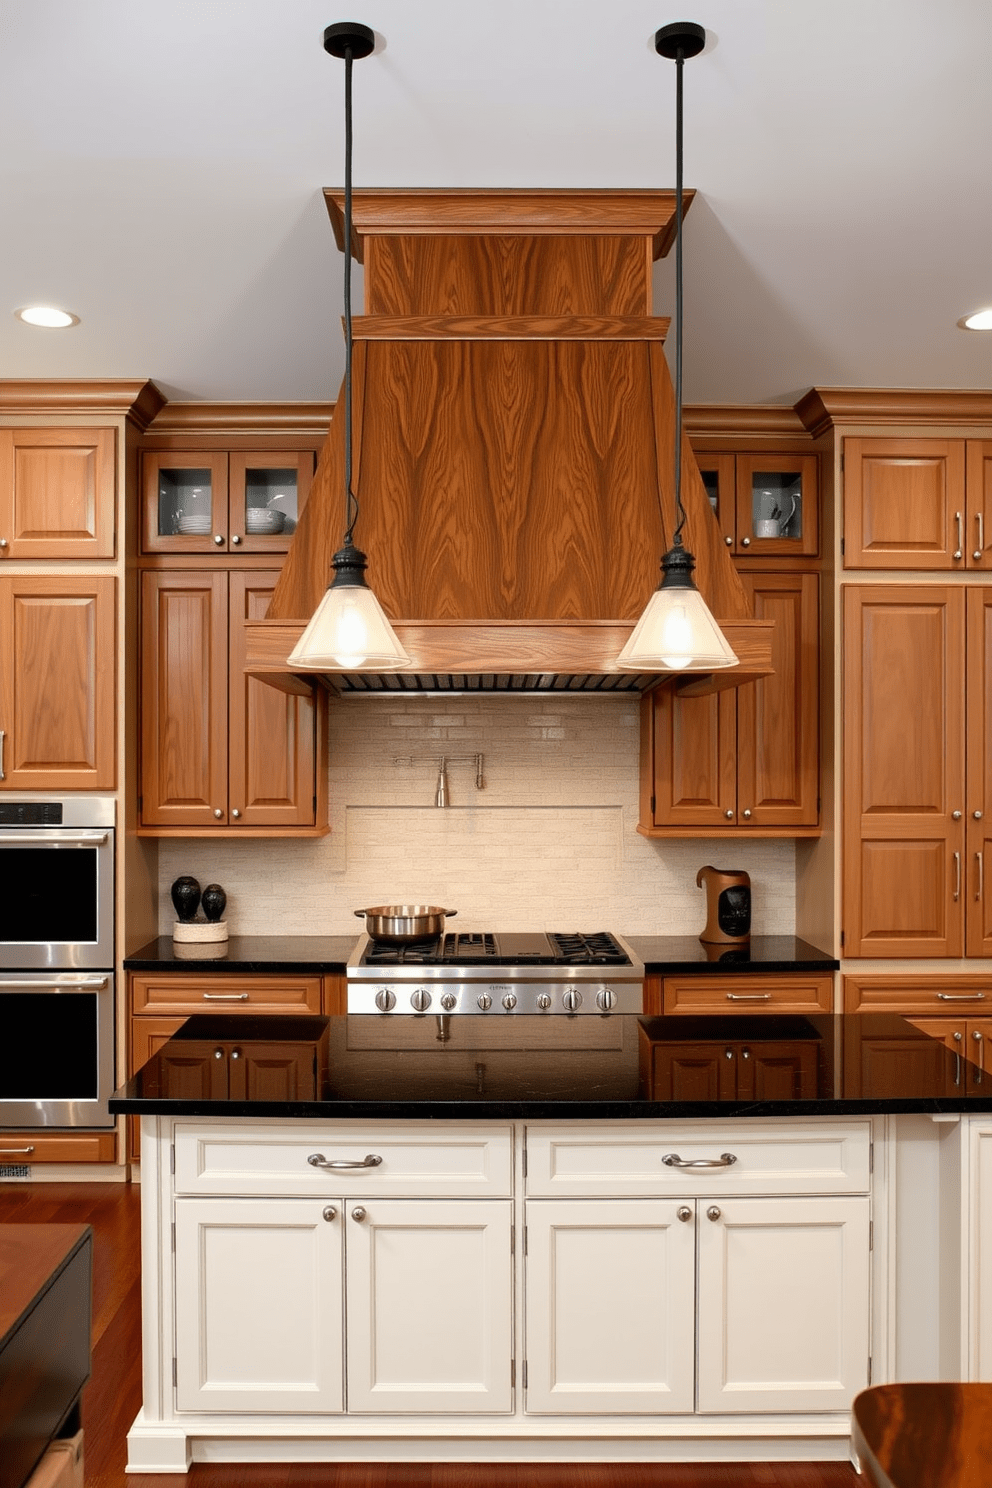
column 113, row 1395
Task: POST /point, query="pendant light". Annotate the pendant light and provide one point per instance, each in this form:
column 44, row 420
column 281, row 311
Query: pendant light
column 676, row 631
column 349, row 629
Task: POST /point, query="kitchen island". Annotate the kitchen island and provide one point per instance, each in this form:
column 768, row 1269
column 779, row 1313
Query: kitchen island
column 424, row 1239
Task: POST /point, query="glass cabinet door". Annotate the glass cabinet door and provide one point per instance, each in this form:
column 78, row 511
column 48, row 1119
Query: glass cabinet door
column 776, row 504
column 718, row 473
column 268, row 491
column 185, row 502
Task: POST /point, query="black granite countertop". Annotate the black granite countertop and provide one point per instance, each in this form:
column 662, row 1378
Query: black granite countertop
column 539, row 1067
column 671, row 955
column 294, row 955
column 681, row 955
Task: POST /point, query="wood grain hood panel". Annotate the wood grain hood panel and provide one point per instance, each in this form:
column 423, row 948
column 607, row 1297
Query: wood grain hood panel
column 513, row 437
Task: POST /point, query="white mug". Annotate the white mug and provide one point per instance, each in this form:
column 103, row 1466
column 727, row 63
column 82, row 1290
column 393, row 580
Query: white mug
column 767, row 527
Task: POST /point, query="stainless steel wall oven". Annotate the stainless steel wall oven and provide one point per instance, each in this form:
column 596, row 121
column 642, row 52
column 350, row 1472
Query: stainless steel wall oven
column 57, row 951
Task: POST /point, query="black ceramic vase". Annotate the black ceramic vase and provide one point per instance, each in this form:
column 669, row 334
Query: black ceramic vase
column 186, row 898
column 213, row 900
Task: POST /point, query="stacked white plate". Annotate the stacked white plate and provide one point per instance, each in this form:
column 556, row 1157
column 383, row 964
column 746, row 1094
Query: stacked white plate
column 193, row 524
column 263, row 519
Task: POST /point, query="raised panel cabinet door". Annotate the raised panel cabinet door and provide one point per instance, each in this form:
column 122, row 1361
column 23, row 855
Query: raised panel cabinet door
column 904, row 503
column 184, row 698
column 903, row 786
column 978, row 1047
column 882, row 1066
column 978, row 837
column 978, row 530
column 58, row 493
column 57, row 682
column 783, row 1304
column 273, row 734
column 259, row 1323
column 777, row 1070
column 778, row 783
column 278, row 1071
column 693, row 1071
column 695, row 764
column 610, row 1291
column 430, row 1305
column 953, row 1034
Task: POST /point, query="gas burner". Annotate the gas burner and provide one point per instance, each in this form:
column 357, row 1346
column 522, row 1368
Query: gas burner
column 493, row 973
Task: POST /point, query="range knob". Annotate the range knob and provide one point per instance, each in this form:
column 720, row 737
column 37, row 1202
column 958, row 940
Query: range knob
column 485, row 1001
column 606, row 998
column 509, row 1001
column 572, row 999
column 544, row 1001
column 448, row 1001
column 420, row 1000
column 384, row 1000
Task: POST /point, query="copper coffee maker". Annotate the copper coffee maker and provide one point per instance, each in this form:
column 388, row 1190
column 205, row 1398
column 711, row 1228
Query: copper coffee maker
column 728, row 906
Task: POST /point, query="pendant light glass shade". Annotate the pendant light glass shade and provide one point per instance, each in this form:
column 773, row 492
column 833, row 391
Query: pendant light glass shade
column 349, row 630
column 676, row 632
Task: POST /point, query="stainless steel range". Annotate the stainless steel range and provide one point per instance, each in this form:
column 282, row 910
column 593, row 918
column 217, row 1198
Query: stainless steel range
column 492, row 974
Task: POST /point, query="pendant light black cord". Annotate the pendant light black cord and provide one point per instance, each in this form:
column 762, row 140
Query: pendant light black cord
column 351, row 516
column 680, row 509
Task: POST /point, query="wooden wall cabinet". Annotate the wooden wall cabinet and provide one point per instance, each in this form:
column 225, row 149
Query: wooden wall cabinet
column 57, row 682
column 210, row 501
column 767, row 505
column 220, row 750
column 743, row 760
column 918, row 503
column 58, row 493
column 917, row 774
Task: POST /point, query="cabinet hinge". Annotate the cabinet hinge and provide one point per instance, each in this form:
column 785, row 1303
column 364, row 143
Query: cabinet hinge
column 315, row 808
column 141, row 804
column 842, row 547
column 842, row 463
column 819, row 805
column 871, row 1234
column 525, row 1374
column 871, row 1157
column 525, row 1161
column 869, row 1368
column 172, row 1158
column 175, row 1373
column 525, row 1252
column 513, row 1373
column 173, row 1237
column 842, row 937
column 513, row 1238
column 652, row 806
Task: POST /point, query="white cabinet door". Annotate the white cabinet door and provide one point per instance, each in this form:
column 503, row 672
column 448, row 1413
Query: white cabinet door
column 430, row 1305
column 258, row 1305
column 609, row 1306
column 977, row 1300
column 783, row 1304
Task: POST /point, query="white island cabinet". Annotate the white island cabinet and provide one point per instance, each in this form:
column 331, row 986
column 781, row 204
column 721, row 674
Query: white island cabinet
column 332, row 1290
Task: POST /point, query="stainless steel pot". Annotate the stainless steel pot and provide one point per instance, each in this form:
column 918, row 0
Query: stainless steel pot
column 400, row 924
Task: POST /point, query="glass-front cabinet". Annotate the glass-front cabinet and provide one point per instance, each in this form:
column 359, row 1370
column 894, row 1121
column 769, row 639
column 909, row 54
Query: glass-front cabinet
column 766, row 504
column 207, row 501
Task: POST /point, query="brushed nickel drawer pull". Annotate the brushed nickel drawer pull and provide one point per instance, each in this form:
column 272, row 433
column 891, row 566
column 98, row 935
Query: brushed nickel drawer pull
column 725, row 1160
column 225, row 996
column 318, row 1160
column 981, row 537
column 957, row 1058
column 961, row 996
column 959, row 551
column 3, row 736
column 981, row 875
column 981, row 1056
column 749, row 997
column 957, row 879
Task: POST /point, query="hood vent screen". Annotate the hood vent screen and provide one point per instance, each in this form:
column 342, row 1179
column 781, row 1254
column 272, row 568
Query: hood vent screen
column 614, row 683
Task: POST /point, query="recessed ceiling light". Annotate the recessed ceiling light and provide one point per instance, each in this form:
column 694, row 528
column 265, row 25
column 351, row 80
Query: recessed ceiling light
column 48, row 316
column 979, row 320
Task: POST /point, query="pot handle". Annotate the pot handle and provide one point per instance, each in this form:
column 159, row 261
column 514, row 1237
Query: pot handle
column 448, row 913
column 360, row 914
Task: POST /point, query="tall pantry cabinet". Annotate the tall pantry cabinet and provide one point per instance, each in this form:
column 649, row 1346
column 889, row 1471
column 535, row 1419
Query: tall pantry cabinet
column 68, row 452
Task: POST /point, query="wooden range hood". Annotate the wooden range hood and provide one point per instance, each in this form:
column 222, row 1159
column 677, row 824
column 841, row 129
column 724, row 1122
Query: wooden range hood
column 513, row 438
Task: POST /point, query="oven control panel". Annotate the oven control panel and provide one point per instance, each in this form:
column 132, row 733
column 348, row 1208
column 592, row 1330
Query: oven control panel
column 494, row 999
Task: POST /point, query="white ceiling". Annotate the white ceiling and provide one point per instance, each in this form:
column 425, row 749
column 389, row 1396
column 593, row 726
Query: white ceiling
column 162, row 167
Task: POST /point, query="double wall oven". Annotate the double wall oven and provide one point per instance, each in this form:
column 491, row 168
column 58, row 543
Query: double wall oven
column 56, row 961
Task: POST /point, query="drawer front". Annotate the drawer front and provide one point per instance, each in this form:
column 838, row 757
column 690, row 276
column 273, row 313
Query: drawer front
column 820, row 1157
column 418, row 1159
column 224, row 993
column 965, row 996
column 748, row 994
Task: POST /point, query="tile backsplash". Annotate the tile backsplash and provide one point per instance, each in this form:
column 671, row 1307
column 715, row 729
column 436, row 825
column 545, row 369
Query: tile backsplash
column 550, row 840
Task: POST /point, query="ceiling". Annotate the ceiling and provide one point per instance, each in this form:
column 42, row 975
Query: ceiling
column 162, row 169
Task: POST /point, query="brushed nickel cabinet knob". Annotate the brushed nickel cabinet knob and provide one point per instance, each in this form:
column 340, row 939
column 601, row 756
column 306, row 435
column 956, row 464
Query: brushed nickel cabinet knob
column 218, row 539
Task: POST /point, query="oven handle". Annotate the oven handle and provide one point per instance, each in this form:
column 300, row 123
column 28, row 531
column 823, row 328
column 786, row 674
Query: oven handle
column 31, row 836
column 83, row 984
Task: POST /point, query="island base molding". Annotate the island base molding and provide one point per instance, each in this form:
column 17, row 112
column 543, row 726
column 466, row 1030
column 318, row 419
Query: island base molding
column 153, row 1448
